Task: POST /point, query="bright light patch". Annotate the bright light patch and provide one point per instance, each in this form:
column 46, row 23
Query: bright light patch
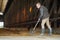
column 1, row 13
column 1, row 24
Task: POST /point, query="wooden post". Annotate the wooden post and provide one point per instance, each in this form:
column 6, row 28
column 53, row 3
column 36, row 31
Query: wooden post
column 4, row 2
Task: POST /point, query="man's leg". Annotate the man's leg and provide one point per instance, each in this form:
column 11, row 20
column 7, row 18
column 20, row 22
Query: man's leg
column 49, row 26
column 43, row 27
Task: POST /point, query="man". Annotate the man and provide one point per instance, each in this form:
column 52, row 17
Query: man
column 45, row 18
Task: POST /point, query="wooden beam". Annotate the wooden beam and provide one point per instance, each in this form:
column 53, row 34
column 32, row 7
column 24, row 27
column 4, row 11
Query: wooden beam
column 59, row 10
column 1, row 4
column 4, row 5
column 53, row 6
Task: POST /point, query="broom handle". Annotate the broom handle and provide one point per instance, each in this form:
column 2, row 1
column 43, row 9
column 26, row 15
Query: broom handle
column 36, row 24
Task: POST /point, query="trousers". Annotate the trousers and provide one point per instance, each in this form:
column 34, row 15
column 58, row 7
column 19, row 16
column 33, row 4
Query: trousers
column 46, row 20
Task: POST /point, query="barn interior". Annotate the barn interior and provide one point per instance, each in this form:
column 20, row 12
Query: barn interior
column 20, row 16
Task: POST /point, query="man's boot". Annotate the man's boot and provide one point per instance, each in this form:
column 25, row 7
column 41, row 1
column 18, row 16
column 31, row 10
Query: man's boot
column 50, row 31
column 42, row 32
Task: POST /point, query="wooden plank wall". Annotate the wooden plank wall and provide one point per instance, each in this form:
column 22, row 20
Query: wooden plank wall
column 25, row 10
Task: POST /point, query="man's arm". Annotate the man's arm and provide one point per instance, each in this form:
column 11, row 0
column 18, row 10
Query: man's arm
column 41, row 12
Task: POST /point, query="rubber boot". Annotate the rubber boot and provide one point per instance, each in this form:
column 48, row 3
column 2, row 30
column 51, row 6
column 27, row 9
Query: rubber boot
column 42, row 32
column 50, row 32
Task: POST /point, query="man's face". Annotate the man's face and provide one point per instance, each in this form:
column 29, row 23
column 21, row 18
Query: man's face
column 38, row 5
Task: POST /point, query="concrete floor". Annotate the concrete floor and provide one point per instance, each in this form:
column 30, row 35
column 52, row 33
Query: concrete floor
column 53, row 37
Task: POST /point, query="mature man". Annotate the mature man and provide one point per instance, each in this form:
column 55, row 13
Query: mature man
column 45, row 18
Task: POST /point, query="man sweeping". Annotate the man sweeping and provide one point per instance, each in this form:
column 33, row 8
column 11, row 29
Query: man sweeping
column 45, row 18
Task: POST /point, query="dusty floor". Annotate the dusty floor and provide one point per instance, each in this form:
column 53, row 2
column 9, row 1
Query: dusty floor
column 6, row 34
column 22, row 32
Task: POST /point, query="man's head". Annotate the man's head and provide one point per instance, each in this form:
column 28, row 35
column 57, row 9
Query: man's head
column 38, row 5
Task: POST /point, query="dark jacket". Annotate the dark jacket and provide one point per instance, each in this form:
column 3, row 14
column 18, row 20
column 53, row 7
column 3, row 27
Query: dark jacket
column 43, row 12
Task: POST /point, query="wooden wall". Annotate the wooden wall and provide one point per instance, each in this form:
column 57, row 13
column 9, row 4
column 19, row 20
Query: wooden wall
column 22, row 11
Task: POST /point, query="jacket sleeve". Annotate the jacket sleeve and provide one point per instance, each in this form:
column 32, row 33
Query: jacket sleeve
column 41, row 12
